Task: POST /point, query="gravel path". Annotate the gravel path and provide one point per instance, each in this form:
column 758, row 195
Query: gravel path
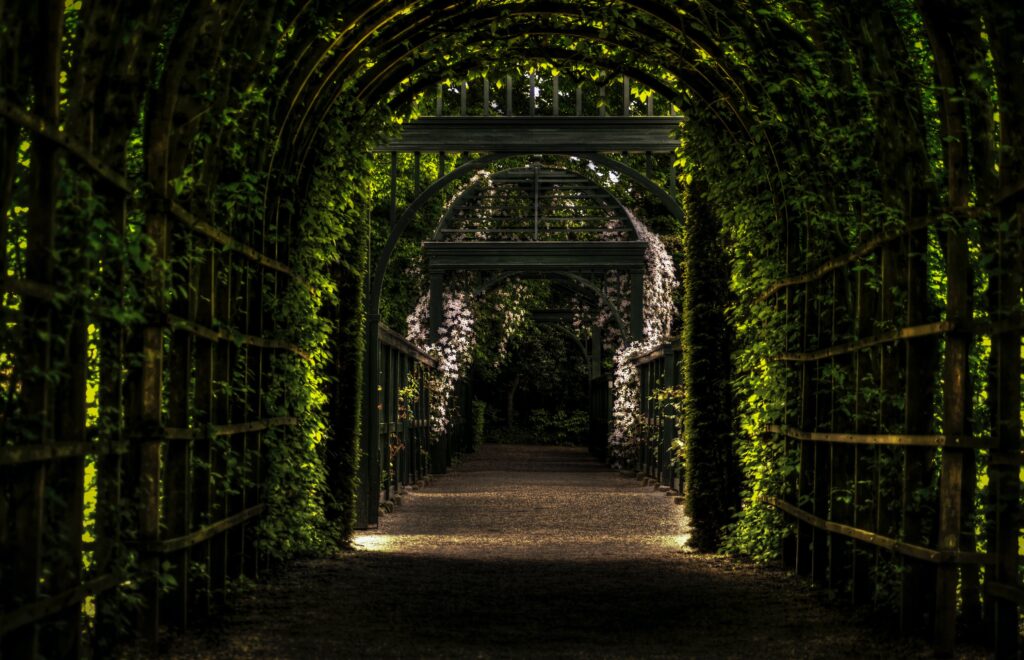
column 535, row 552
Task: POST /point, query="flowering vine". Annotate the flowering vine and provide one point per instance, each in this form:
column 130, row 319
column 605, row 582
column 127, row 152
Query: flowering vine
column 659, row 284
column 453, row 349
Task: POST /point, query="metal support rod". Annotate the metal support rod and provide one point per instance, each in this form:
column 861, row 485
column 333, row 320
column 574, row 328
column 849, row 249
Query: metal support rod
column 463, row 93
column 487, row 96
column 625, row 96
column 508, row 97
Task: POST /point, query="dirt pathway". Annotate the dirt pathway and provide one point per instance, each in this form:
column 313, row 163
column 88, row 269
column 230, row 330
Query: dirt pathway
column 536, row 552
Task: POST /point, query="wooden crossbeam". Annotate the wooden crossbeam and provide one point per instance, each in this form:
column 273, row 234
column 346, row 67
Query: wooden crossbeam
column 880, row 540
column 537, row 135
column 535, row 255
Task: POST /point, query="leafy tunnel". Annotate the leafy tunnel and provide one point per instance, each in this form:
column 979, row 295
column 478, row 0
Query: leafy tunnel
column 217, row 217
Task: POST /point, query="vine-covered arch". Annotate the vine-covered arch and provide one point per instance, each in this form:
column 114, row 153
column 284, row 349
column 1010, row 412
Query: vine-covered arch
column 188, row 214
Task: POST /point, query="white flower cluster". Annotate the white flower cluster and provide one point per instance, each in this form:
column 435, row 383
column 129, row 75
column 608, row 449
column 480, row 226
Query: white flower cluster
column 453, row 349
column 659, row 284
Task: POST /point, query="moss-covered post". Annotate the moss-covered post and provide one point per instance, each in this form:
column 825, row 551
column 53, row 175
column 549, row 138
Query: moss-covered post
column 712, row 484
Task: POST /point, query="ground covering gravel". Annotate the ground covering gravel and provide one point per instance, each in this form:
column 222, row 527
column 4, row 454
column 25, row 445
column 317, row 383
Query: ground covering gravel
column 536, row 552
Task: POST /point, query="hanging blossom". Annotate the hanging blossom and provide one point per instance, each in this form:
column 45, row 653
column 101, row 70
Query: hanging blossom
column 659, row 284
column 457, row 339
column 453, row 350
column 509, row 305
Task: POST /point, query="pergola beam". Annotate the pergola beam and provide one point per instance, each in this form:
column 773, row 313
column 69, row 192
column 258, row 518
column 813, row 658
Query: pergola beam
column 533, row 256
column 537, row 135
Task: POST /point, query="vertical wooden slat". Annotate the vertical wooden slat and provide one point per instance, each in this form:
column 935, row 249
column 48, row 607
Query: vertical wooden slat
column 889, row 413
column 111, row 415
column 805, row 485
column 841, row 458
column 955, row 404
column 917, row 577
column 222, row 361
column 26, row 510
column 790, row 544
column 202, row 487
column 237, row 447
column 865, row 378
column 822, row 451
column 177, row 477
column 255, row 364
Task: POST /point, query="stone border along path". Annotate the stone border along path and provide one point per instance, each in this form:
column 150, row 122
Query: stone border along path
column 537, row 552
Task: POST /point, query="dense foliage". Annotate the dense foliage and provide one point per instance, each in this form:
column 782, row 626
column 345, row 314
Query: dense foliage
column 709, row 407
column 212, row 272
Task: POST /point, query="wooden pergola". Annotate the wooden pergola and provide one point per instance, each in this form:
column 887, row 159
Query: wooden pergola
column 542, row 221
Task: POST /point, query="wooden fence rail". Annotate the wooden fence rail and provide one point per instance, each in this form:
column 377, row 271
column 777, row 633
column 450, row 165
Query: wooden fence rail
column 658, row 370
column 869, row 356
column 410, row 447
column 182, row 426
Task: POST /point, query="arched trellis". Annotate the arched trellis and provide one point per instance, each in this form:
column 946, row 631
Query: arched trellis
column 651, row 10
column 471, row 167
column 182, row 96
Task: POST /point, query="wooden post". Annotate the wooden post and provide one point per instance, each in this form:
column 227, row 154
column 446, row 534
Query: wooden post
column 668, row 427
column 888, row 413
column 956, row 402
column 369, row 486
column 805, row 482
column 178, row 463
column 822, row 451
column 841, row 460
column 865, row 374
column 24, row 547
column 202, row 477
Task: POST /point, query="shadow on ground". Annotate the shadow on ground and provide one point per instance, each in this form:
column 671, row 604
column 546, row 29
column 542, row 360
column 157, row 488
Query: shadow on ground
column 536, row 552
